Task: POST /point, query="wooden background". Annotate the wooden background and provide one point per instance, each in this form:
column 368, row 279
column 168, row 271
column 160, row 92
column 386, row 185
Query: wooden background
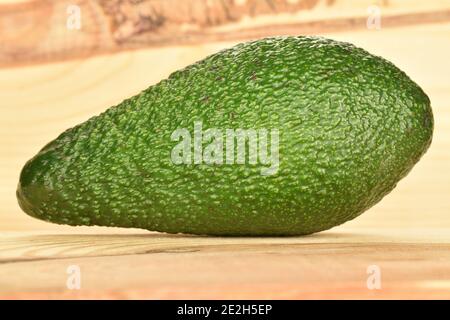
column 52, row 78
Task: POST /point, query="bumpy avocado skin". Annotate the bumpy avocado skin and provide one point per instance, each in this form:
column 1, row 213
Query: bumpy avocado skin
column 351, row 126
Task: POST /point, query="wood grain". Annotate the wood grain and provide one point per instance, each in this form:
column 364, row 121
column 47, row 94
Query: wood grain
column 158, row 266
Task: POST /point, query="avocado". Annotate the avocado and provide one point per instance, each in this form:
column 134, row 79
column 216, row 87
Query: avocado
column 278, row 136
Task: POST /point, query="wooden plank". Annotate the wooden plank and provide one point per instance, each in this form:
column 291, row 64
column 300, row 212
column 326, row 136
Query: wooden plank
column 46, row 31
column 35, row 246
column 156, row 266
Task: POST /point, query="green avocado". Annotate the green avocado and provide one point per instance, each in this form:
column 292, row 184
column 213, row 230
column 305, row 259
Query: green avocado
column 279, row 136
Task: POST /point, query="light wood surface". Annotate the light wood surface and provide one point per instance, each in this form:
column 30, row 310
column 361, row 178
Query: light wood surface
column 37, row 31
column 333, row 264
column 407, row 235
